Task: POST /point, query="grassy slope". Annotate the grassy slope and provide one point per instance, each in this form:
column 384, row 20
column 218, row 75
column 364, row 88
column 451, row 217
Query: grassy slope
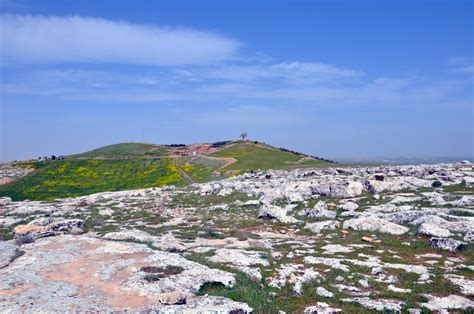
column 253, row 157
column 58, row 179
column 123, row 150
column 200, row 168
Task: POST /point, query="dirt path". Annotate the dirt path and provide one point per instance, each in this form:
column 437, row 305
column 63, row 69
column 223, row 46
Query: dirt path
column 182, row 173
column 227, row 160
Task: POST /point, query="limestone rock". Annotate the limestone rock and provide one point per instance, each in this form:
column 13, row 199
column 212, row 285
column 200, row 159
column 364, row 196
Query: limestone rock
column 321, row 308
column 450, row 302
column 59, row 268
column 4, row 201
column 377, row 304
column 174, row 297
column 33, row 231
column 320, row 210
column 469, row 236
column 447, row 244
column 348, row 206
column 46, row 227
column 238, row 257
column 433, row 230
column 466, row 285
column 9, row 251
column 166, row 242
column 324, row 292
column 275, row 212
column 373, row 223
column 319, row 226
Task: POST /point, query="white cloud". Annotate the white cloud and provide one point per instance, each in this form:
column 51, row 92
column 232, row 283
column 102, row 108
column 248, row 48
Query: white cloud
column 461, row 65
column 41, row 39
column 290, row 72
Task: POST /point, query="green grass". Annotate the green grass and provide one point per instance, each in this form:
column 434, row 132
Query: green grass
column 69, row 178
column 461, row 212
column 124, row 150
column 199, row 168
column 252, row 157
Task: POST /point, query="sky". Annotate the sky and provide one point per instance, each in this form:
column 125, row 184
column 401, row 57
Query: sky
column 335, row 79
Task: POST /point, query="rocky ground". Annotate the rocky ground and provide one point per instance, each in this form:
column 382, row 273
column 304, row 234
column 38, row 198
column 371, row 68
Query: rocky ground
column 351, row 240
column 9, row 172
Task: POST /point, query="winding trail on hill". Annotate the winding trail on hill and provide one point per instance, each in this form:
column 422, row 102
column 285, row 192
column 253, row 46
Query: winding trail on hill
column 182, row 172
column 226, row 160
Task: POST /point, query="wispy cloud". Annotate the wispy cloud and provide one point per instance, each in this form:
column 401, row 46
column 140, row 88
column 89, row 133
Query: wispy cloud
column 464, row 69
column 461, row 65
column 277, row 84
column 52, row 39
column 288, row 72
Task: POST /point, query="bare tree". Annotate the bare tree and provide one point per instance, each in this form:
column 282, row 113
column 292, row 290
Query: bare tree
column 243, row 135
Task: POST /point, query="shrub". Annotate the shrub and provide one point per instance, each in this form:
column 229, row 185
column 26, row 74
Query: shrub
column 153, row 277
column 155, row 273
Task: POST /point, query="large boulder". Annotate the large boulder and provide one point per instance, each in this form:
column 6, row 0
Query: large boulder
column 45, row 227
column 210, row 188
column 469, row 236
column 319, row 226
column 320, row 210
column 447, row 244
column 31, row 232
column 4, row 201
column 373, row 223
column 375, row 186
column 275, row 212
column 347, row 189
column 433, row 230
column 348, row 206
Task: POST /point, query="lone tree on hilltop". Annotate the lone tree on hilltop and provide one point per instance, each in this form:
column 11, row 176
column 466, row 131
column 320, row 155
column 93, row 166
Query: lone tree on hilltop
column 243, row 135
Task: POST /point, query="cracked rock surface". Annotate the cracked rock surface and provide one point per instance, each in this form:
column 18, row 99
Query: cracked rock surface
column 324, row 240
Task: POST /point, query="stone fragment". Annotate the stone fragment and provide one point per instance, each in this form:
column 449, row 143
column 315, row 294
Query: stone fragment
column 370, row 240
column 324, row 292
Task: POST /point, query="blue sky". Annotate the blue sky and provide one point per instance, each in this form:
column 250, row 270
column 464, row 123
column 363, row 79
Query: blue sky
column 337, row 79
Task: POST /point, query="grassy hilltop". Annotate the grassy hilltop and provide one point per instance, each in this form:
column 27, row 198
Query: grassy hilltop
column 124, row 150
column 137, row 165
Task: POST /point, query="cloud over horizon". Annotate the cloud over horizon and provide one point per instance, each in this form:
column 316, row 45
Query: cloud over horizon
column 53, row 39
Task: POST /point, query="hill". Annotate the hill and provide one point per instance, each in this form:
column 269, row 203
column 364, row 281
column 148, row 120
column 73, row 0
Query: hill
column 138, row 165
column 123, row 150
